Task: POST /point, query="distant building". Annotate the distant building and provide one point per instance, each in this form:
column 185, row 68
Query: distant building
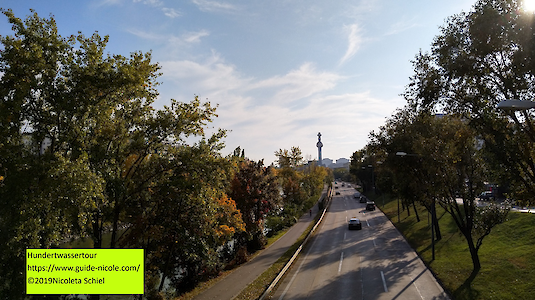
column 326, row 162
column 340, row 163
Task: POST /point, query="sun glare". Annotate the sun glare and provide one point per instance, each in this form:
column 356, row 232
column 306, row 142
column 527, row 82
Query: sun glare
column 529, row 5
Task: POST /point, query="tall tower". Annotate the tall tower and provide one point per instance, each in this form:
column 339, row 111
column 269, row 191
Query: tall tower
column 319, row 144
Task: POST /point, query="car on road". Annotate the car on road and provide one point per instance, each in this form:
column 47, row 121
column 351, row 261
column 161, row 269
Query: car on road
column 486, row 196
column 363, row 199
column 370, row 205
column 337, row 193
column 357, row 195
column 354, row 223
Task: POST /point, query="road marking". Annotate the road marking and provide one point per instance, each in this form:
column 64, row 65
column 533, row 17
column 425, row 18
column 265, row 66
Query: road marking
column 417, row 289
column 384, row 281
column 374, row 244
column 298, row 269
column 361, row 279
column 367, row 223
column 340, row 264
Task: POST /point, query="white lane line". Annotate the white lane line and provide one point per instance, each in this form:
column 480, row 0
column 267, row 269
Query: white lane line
column 298, row 269
column 340, row 264
column 374, row 244
column 367, row 223
column 384, row 281
column 361, row 278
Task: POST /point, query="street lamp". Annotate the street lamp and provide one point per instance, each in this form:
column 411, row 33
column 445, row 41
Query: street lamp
column 514, row 104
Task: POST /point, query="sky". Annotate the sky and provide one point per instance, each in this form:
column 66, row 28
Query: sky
column 280, row 71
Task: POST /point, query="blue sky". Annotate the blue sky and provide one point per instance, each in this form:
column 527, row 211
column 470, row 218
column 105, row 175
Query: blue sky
column 281, row 71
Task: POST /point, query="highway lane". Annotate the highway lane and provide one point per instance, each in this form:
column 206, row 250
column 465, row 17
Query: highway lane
column 373, row 263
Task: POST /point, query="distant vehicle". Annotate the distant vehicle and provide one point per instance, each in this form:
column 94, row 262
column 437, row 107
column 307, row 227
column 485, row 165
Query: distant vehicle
column 343, row 184
column 349, row 185
column 336, row 187
column 370, row 205
column 337, row 193
column 354, row 223
column 486, row 196
column 363, row 199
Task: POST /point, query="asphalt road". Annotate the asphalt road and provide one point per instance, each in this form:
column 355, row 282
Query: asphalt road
column 373, row 263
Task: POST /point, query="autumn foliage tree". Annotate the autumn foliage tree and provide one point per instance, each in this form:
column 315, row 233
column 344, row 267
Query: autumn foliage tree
column 255, row 190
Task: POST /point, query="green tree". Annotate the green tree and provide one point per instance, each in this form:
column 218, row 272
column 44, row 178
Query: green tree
column 442, row 163
column 292, row 158
column 82, row 149
column 479, row 59
column 188, row 218
column 451, row 153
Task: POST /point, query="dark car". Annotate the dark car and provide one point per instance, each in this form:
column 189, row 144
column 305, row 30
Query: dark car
column 486, row 196
column 337, row 193
column 363, row 199
column 370, row 205
column 354, row 223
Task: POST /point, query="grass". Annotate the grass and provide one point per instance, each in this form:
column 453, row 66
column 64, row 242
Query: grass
column 507, row 255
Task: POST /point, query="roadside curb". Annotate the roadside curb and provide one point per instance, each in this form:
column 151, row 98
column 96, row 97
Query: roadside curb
column 298, row 251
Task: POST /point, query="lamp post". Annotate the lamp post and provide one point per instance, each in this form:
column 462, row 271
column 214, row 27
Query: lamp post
column 513, row 105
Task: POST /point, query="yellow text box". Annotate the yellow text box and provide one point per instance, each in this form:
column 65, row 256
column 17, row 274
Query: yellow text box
column 84, row 271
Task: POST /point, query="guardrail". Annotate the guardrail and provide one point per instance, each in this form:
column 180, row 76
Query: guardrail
column 290, row 262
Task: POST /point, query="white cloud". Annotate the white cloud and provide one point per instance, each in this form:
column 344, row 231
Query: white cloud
column 401, row 26
column 150, row 2
column 212, row 76
column 106, row 3
column 195, row 36
column 171, row 41
column 215, row 6
column 298, row 84
column 354, row 42
column 171, row 12
column 260, row 113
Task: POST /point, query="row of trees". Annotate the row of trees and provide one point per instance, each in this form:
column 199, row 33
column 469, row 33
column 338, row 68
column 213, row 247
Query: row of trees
column 480, row 58
column 85, row 156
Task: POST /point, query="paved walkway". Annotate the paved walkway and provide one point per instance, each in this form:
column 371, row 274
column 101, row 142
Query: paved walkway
column 235, row 282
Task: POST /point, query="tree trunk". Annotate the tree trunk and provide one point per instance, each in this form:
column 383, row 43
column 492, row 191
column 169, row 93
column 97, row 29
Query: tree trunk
column 416, row 211
column 474, row 255
column 115, row 225
column 434, row 219
column 97, row 231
